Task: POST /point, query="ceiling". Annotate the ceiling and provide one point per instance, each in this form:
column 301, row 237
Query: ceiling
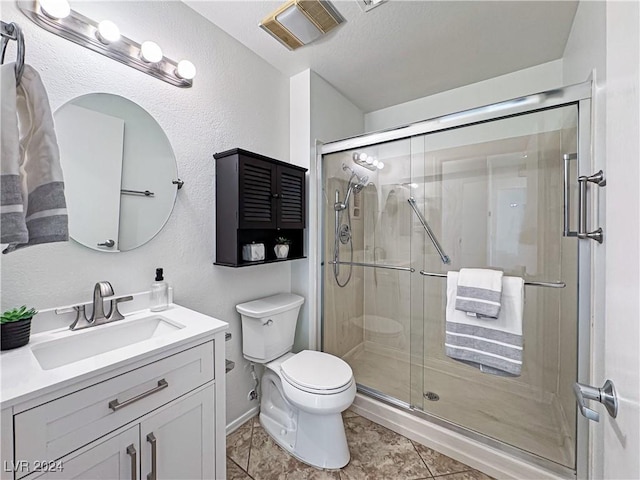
column 403, row 50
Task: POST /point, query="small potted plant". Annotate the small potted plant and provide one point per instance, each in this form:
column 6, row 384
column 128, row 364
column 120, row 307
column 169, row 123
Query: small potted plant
column 15, row 327
column 282, row 247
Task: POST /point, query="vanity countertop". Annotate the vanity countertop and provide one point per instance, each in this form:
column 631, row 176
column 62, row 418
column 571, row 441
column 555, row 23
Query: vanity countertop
column 22, row 378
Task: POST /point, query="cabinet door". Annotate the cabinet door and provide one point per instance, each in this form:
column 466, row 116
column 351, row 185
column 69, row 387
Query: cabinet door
column 178, row 442
column 116, row 458
column 290, row 186
column 257, row 193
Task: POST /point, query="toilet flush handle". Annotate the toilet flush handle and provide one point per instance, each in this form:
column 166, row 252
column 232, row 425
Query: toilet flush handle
column 267, row 323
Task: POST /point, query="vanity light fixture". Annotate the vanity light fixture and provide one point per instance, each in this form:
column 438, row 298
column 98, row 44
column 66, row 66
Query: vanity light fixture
column 367, row 161
column 58, row 17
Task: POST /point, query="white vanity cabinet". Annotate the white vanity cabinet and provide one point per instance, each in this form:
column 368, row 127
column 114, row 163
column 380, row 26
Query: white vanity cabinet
column 168, row 444
column 115, row 458
column 177, row 443
column 158, row 419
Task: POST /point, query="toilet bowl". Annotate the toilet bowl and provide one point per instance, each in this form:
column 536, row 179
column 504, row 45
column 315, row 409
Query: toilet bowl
column 303, row 394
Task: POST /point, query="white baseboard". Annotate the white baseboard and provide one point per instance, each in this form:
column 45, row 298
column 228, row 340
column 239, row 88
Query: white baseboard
column 238, row 422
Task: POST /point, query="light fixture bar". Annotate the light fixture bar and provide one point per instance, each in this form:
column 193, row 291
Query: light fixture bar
column 82, row 30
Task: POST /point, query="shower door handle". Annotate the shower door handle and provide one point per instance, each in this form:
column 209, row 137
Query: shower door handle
column 583, row 233
column 605, row 395
column 566, row 195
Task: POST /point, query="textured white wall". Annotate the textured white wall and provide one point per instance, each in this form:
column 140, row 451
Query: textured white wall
column 318, row 113
column 237, row 100
column 523, row 82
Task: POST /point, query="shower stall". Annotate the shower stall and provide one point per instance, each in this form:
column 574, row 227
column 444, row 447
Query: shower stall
column 494, row 187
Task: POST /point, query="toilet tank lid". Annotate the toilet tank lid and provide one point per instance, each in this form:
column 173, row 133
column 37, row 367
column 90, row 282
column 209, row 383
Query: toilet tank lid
column 272, row 305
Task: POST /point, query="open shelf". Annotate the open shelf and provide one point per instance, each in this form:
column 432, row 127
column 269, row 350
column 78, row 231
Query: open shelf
column 260, row 262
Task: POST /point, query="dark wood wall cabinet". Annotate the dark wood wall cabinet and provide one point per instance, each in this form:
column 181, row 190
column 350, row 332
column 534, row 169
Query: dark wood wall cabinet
column 258, row 199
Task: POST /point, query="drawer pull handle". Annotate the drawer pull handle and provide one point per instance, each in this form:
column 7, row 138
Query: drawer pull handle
column 131, row 451
column 153, row 475
column 115, row 405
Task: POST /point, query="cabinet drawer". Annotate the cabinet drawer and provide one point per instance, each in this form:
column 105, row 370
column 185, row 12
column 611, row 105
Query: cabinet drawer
column 52, row 430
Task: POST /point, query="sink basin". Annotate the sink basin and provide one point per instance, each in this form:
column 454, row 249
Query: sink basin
column 100, row 339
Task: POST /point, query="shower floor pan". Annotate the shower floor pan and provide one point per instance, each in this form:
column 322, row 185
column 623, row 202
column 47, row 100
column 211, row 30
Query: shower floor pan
column 534, row 424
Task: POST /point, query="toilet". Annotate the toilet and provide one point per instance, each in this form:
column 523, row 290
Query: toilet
column 303, row 394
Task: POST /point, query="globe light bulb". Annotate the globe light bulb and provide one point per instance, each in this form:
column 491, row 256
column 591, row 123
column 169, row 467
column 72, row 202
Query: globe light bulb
column 186, row 70
column 108, row 32
column 380, row 165
column 55, row 9
column 150, row 52
column 375, row 162
column 364, row 157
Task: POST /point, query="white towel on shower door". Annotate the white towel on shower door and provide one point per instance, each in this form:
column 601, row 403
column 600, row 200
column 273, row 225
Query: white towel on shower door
column 494, row 347
column 479, row 292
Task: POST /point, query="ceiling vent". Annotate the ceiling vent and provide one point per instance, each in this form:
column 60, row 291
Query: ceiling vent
column 299, row 22
column 367, row 5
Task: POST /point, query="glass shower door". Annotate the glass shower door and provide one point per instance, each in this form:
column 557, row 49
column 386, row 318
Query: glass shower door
column 493, row 196
column 367, row 264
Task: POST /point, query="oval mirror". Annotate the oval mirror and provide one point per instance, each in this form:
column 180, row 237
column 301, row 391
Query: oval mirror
column 120, row 172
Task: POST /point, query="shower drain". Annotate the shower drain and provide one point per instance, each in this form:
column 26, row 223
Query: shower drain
column 434, row 397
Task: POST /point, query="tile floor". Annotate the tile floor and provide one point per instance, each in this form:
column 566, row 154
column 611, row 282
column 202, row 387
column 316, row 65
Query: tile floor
column 376, row 453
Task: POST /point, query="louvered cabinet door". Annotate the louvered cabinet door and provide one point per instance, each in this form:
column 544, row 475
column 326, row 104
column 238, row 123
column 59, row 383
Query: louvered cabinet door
column 291, row 198
column 257, row 193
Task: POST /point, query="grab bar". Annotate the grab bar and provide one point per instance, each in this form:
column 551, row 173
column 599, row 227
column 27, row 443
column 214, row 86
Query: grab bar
column 374, row 265
column 432, row 237
column 533, row 283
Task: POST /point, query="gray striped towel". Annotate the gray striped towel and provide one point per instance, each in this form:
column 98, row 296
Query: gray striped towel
column 44, row 211
column 497, row 350
column 13, row 228
column 479, row 292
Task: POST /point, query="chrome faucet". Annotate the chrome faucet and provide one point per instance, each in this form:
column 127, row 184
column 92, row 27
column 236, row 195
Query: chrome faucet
column 101, row 291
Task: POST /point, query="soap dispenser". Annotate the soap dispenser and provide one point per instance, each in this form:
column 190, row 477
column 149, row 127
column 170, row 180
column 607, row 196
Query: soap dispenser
column 159, row 293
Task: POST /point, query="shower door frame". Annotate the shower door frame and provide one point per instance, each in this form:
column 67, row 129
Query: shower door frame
column 579, row 95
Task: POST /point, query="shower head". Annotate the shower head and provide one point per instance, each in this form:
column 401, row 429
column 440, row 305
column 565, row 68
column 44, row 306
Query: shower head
column 362, row 180
column 356, row 186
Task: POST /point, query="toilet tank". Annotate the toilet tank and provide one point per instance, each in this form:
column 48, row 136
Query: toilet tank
column 269, row 326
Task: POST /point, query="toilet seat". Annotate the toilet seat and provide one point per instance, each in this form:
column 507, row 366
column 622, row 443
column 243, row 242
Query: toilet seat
column 317, row 372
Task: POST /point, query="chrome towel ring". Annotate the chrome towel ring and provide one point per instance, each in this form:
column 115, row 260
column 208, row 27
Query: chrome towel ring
column 11, row 31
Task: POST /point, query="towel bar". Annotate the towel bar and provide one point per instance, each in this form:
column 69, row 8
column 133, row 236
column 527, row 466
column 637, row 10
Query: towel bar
column 373, row 265
column 533, row 283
